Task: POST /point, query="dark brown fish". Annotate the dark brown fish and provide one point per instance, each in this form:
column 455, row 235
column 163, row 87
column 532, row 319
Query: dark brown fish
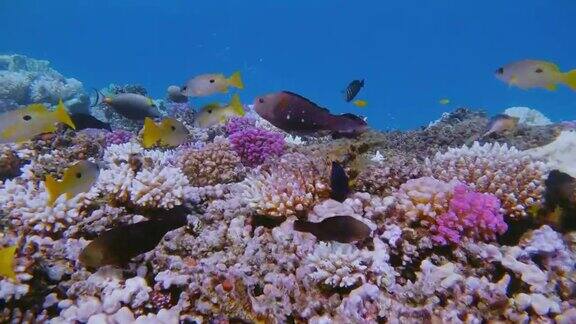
column 343, row 229
column 119, row 245
column 298, row 115
column 339, row 186
column 560, row 199
column 352, row 90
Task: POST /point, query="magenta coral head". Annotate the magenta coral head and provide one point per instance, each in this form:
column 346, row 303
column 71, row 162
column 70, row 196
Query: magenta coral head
column 236, row 124
column 255, row 145
column 471, row 214
column 118, row 137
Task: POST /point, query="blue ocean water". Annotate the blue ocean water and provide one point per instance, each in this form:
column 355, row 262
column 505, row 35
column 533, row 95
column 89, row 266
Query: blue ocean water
column 411, row 53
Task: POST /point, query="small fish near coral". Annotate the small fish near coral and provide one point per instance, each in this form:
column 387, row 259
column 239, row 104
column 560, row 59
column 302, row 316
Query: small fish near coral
column 77, row 178
column 26, row 123
column 339, row 182
column 530, row 74
column 130, row 105
column 360, row 103
column 168, row 133
column 214, row 114
column 119, row 245
column 299, row 116
column 208, row 84
column 352, row 90
column 84, row 121
column 444, row 101
column 343, row 229
column 560, row 201
column 501, row 123
column 174, row 94
column 7, row 255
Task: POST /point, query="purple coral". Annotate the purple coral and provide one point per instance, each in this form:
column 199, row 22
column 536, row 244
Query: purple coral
column 236, row 124
column 255, row 145
column 471, row 214
column 118, row 136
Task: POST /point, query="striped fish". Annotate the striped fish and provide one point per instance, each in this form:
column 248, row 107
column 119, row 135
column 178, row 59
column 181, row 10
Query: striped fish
column 352, row 90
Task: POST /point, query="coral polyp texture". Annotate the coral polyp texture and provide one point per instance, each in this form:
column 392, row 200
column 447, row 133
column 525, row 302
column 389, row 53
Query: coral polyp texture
column 435, row 213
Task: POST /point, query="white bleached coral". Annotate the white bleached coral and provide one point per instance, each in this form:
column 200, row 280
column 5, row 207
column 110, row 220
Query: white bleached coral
column 560, row 154
column 528, row 116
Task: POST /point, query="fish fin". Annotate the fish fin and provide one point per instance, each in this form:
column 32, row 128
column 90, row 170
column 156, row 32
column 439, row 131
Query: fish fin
column 235, row 80
column 570, row 79
column 236, row 105
column 551, row 87
column 62, row 115
column 7, row 262
column 306, row 99
column 150, row 133
column 53, row 189
column 352, row 116
column 304, row 226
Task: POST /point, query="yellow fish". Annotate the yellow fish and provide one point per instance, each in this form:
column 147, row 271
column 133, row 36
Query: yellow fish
column 23, row 124
column 209, row 84
column 77, row 178
column 214, row 114
column 444, row 101
column 7, row 262
column 360, row 103
column 530, row 74
column 170, row 132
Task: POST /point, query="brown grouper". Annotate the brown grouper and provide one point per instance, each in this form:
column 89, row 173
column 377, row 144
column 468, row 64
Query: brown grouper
column 299, row 116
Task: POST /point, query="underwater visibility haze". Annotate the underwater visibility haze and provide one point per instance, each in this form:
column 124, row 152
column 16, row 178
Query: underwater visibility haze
column 287, row 162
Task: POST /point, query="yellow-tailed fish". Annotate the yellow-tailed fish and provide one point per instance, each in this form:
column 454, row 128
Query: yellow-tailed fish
column 77, row 178
column 7, row 255
column 169, row 132
column 444, row 101
column 24, row 124
column 209, row 84
column 360, row 103
column 529, row 74
column 213, row 114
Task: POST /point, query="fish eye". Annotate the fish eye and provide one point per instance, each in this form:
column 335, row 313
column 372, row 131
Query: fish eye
column 209, row 111
column 500, row 71
column 27, row 117
column 78, row 175
column 212, row 80
column 539, row 70
column 173, row 128
column 260, row 100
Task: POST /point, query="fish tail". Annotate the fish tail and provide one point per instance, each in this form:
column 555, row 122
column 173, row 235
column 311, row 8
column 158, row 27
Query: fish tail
column 570, row 79
column 236, row 105
column 150, row 133
column 304, row 226
column 235, row 80
column 53, row 189
column 7, row 268
column 62, row 115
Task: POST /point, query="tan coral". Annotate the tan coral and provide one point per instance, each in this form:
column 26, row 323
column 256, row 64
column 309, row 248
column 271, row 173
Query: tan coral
column 510, row 174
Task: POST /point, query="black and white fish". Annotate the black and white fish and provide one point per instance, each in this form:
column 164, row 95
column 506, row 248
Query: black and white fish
column 352, row 90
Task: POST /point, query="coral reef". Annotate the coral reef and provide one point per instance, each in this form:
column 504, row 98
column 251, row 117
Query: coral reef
column 255, row 145
column 560, row 153
column 528, row 116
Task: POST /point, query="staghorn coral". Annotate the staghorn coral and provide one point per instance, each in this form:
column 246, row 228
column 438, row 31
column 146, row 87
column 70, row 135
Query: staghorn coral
column 215, row 163
column 511, row 175
column 236, row 124
column 470, row 214
column 255, row 145
column 287, row 186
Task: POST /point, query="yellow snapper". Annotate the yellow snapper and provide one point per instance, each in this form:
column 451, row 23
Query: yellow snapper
column 360, row 103
column 169, row 132
column 23, row 124
column 209, row 84
column 77, row 178
column 7, row 262
column 213, row 114
column 529, row 74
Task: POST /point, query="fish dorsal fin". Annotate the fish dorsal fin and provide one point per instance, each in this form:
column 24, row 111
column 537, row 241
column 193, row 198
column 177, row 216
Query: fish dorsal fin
column 37, row 108
column 306, row 99
column 352, row 116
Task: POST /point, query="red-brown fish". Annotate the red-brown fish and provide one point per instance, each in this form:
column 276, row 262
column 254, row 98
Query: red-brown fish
column 343, row 229
column 298, row 115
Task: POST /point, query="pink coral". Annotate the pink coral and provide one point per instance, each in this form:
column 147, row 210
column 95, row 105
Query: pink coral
column 255, row 145
column 118, row 136
column 236, row 124
column 472, row 214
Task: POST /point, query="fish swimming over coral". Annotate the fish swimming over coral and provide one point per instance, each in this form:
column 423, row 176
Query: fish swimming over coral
column 214, row 114
column 209, row 84
column 7, row 262
column 77, row 178
column 83, row 121
column 339, row 186
column 353, row 89
column 501, row 123
column 25, row 123
column 174, row 94
column 300, row 116
column 343, row 229
column 529, row 74
column 169, row 133
column 120, row 244
column 360, row 103
column 130, row 105
column 444, row 101
column 560, row 199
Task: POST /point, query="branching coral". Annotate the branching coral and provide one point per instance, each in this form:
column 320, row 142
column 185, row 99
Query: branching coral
column 511, row 175
column 118, row 136
column 255, row 145
column 215, row 163
column 287, row 186
column 385, row 176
